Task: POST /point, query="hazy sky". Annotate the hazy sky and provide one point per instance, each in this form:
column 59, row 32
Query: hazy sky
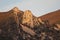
column 38, row 7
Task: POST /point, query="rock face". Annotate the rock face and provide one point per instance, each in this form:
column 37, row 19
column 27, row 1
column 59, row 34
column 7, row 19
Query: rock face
column 9, row 25
column 27, row 18
column 16, row 10
column 28, row 30
column 30, row 20
column 37, row 21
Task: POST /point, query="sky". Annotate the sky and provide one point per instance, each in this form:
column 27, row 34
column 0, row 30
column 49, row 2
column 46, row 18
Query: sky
column 37, row 7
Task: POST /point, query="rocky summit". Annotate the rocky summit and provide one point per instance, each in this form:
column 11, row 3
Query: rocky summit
column 23, row 25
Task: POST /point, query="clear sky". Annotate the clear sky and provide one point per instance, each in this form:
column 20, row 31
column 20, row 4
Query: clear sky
column 38, row 7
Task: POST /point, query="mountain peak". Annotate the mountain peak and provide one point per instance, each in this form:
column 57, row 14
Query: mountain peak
column 27, row 18
column 28, row 12
column 15, row 9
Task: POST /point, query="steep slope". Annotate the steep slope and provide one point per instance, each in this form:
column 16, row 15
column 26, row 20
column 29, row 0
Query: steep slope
column 27, row 18
column 30, row 20
column 37, row 21
column 28, row 30
column 9, row 25
column 52, row 17
column 18, row 12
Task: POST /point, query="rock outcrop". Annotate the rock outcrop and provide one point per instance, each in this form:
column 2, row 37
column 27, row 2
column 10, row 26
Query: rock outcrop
column 27, row 18
column 9, row 25
column 30, row 20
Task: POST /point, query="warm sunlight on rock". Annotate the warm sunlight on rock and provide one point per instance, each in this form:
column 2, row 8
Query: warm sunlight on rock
column 16, row 10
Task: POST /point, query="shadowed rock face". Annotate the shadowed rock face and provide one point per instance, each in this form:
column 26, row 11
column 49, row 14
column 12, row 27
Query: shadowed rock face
column 53, row 17
column 9, row 25
column 20, row 16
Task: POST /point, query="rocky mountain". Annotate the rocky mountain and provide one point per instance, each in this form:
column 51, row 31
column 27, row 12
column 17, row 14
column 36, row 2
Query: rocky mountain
column 26, row 17
column 29, row 19
column 23, row 25
column 9, row 25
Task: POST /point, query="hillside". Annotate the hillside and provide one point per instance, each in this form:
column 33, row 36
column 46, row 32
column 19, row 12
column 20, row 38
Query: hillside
column 52, row 17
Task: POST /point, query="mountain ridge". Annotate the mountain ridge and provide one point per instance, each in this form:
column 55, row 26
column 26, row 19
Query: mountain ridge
column 52, row 17
column 27, row 18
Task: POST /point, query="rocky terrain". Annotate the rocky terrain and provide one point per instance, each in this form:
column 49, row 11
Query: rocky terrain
column 23, row 25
